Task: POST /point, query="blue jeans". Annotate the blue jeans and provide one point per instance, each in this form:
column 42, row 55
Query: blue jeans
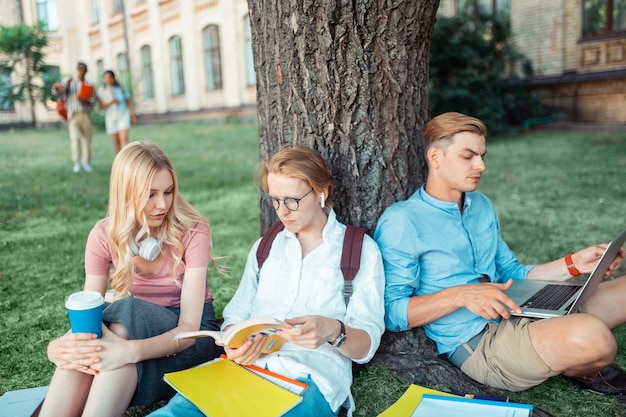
column 313, row 405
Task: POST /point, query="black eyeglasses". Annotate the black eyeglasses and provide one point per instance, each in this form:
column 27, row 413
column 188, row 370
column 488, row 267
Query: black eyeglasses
column 291, row 203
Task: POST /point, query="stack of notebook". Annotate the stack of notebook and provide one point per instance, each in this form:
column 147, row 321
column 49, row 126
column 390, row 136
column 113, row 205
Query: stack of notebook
column 222, row 388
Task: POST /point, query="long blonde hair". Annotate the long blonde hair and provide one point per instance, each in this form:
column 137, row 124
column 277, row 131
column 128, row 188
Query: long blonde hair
column 131, row 176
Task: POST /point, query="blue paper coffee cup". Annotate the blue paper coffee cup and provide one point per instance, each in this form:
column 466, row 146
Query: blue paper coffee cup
column 85, row 311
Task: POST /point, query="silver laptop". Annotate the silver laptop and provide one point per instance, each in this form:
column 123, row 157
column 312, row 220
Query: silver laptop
column 544, row 299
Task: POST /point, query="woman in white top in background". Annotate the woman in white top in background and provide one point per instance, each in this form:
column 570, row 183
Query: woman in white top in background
column 119, row 110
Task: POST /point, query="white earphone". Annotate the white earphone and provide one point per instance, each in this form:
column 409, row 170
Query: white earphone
column 323, row 199
column 148, row 249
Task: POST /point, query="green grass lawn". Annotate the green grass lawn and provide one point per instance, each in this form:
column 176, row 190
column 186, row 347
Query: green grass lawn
column 554, row 192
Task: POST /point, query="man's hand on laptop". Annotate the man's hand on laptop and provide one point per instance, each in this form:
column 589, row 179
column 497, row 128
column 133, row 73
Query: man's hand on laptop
column 488, row 299
column 586, row 259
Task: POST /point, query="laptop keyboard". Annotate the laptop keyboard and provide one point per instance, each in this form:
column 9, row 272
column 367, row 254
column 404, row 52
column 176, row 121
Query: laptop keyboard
column 551, row 297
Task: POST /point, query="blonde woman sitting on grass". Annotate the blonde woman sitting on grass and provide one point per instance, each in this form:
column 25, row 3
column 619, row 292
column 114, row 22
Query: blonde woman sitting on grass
column 159, row 295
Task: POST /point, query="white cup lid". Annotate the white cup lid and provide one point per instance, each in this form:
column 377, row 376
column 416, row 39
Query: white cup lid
column 84, row 300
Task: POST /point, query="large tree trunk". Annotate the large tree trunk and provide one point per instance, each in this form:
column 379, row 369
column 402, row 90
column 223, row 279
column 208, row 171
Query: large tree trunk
column 349, row 79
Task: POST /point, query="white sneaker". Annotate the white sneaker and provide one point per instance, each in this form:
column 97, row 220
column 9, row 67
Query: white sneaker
column 87, row 167
column 76, row 167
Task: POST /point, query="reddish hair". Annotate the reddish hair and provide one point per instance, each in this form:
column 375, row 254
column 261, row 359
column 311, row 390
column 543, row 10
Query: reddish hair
column 297, row 161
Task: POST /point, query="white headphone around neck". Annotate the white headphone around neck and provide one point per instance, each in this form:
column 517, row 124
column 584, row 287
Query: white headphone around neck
column 148, row 249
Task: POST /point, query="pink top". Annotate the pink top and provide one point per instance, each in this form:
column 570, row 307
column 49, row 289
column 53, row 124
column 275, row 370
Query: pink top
column 160, row 287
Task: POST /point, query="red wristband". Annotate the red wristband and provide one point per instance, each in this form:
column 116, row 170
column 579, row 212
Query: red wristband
column 571, row 268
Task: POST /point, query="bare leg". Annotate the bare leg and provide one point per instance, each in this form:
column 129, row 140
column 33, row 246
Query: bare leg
column 116, row 143
column 111, row 392
column 580, row 344
column 67, row 394
column 607, row 302
column 107, row 394
column 123, row 135
column 573, row 345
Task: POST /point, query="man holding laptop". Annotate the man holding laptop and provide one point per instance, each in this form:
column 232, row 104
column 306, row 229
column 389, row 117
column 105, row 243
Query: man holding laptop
column 447, row 269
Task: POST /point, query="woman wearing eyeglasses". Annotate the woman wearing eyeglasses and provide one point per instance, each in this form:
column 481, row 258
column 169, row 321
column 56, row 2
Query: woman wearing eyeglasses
column 301, row 283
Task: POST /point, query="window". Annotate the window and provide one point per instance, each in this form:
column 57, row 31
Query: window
column 146, row 71
column 603, row 17
column 48, row 14
column 116, row 6
column 95, row 12
column 5, row 90
column 250, row 74
column 176, row 66
column 484, row 7
column 122, row 75
column 212, row 61
column 53, row 73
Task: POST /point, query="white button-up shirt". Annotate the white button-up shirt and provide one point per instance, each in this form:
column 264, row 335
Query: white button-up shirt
column 290, row 286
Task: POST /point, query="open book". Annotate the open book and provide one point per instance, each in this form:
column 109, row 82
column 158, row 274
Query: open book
column 238, row 333
column 105, row 95
column 222, row 388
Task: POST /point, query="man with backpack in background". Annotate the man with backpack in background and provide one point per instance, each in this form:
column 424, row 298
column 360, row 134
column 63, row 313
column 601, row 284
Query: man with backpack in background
column 79, row 97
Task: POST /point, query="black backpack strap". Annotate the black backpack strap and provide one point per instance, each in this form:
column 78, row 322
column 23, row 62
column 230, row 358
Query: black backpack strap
column 263, row 250
column 351, row 258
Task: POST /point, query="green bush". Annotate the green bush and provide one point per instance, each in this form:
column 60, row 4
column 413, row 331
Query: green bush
column 474, row 69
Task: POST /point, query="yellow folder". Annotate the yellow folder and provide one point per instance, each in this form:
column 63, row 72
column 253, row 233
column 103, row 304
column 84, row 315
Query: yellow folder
column 222, row 388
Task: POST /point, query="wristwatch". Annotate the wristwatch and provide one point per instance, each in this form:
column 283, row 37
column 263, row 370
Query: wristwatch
column 341, row 339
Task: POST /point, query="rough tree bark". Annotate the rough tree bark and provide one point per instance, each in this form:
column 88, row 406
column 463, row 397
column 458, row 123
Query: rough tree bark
column 349, row 78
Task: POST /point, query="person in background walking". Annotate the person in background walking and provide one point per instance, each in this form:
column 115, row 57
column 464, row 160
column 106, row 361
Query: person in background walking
column 80, row 99
column 119, row 110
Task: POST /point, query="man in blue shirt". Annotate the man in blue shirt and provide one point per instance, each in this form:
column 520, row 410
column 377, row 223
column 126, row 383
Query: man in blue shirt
column 447, row 268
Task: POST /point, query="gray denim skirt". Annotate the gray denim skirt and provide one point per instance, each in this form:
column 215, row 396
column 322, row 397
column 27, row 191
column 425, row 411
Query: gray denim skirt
column 143, row 320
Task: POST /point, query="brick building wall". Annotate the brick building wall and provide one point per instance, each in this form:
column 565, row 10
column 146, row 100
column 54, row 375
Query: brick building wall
column 538, row 30
column 584, row 78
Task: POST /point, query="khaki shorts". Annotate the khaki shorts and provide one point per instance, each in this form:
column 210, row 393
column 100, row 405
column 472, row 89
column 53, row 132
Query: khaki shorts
column 506, row 359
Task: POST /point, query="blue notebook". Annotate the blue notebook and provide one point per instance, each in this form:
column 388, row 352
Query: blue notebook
column 440, row 406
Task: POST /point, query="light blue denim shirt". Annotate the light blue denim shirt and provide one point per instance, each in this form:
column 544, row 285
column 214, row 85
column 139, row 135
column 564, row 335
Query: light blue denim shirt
column 120, row 97
column 428, row 245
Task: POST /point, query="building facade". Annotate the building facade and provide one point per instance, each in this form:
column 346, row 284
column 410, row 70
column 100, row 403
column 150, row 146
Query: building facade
column 176, row 56
column 578, row 51
column 186, row 56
